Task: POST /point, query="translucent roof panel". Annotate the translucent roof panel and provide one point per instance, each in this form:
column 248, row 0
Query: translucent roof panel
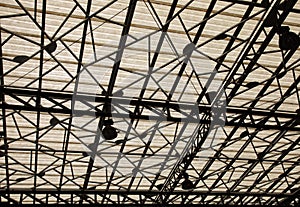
column 150, row 102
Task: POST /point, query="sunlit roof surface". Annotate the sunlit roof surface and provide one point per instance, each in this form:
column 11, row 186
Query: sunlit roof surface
column 198, row 92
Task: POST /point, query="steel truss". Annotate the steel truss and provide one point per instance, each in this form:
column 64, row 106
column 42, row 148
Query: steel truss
column 45, row 159
column 133, row 197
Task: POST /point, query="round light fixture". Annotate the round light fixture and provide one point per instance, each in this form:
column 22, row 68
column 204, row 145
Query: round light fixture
column 109, row 132
column 187, row 184
column 288, row 40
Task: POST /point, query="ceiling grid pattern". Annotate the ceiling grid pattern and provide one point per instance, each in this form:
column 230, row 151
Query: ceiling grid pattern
column 150, row 102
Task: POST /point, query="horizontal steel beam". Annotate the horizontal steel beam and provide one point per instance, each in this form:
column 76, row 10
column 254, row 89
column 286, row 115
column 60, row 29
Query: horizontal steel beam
column 55, row 96
column 144, row 102
column 134, row 196
column 248, row 3
column 142, row 192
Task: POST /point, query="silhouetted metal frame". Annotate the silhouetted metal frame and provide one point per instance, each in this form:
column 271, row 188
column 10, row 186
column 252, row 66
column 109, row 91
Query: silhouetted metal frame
column 122, row 43
column 178, row 169
column 3, row 135
column 133, row 197
column 59, row 99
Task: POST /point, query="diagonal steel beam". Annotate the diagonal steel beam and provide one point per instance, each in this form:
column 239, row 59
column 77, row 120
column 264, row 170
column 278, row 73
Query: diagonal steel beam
column 259, row 5
column 228, row 166
column 274, row 141
column 296, row 194
column 122, row 42
column 195, row 41
column 151, row 66
column 286, row 172
column 185, row 160
column 244, row 115
column 294, row 85
column 227, row 49
column 116, row 66
column 66, row 144
column 259, row 52
column 283, row 16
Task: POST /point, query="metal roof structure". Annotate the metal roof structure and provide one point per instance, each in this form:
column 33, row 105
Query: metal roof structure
column 150, row 102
